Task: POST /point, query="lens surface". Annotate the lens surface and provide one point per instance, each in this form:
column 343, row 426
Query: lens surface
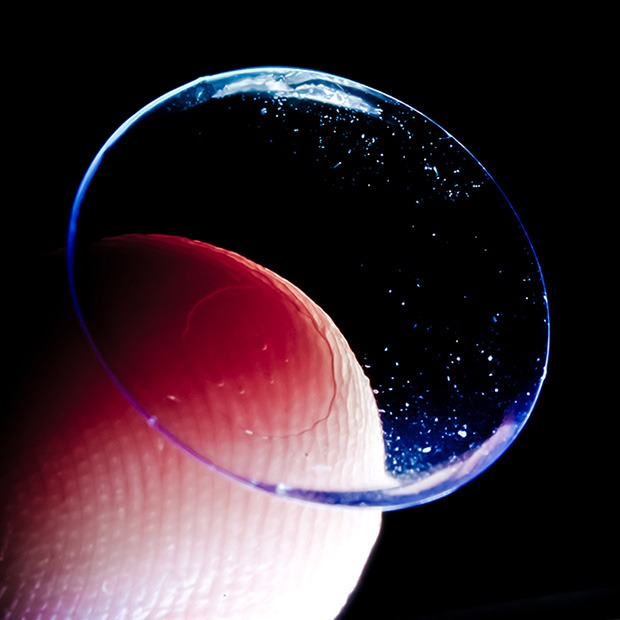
column 310, row 286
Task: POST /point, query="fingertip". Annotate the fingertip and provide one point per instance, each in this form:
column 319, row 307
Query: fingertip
column 236, row 364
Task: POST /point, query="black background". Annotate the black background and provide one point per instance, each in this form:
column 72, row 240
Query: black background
column 536, row 535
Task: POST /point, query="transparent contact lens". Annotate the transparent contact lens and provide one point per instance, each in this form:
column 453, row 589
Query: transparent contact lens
column 311, row 287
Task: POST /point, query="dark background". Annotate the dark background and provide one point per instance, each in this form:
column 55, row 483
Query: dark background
column 536, row 535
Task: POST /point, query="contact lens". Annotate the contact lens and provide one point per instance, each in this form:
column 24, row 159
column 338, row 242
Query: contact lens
column 311, row 287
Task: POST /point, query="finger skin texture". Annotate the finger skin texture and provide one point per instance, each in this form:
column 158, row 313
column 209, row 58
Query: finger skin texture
column 237, row 363
column 103, row 517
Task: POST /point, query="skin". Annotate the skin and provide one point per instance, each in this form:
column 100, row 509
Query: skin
column 102, row 516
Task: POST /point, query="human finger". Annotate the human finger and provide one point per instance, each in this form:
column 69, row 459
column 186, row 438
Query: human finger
column 103, row 517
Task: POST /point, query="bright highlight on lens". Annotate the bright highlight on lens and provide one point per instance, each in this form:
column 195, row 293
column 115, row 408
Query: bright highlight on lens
column 311, row 287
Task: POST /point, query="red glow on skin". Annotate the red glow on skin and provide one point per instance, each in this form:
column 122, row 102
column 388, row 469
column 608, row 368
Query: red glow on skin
column 181, row 318
column 254, row 345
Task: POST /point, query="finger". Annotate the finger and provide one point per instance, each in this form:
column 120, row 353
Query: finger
column 102, row 517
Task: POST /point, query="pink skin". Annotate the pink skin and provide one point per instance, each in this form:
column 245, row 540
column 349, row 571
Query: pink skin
column 101, row 516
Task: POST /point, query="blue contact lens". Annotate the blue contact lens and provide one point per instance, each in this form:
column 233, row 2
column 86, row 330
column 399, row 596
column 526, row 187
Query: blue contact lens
column 311, row 287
